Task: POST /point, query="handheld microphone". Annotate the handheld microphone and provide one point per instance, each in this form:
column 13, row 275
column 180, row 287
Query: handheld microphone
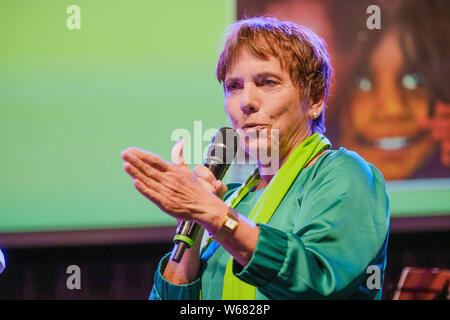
column 220, row 155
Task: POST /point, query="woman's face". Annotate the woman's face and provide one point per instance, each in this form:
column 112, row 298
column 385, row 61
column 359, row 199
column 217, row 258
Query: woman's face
column 262, row 102
column 387, row 105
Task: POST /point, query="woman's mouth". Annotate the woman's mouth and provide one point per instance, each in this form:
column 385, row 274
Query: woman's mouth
column 253, row 127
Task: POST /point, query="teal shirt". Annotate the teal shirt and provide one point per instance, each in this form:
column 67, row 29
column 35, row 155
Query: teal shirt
column 326, row 240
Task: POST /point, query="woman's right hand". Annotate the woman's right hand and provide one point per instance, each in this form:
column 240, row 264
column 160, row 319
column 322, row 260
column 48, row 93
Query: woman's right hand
column 188, row 269
column 205, row 176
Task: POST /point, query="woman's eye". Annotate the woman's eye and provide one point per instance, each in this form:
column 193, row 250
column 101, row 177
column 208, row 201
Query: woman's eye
column 268, row 82
column 363, row 84
column 411, row 81
column 232, row 86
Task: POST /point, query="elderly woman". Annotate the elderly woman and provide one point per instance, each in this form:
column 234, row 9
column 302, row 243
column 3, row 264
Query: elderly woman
column 309, row 228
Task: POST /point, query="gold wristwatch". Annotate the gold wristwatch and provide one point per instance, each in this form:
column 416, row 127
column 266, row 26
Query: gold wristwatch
column 229, row 226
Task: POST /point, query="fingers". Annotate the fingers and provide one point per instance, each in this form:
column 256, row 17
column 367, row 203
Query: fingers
column 175, row 191
column 207, row 178
column 149, row 193
column 204, row 173
column 221, row 188
column 137, row 174
column 177, row 154
column 207, row 186
column 147, row 186
column 439, row 124
column 137, row 169
column 146, row 157
column 144, row 190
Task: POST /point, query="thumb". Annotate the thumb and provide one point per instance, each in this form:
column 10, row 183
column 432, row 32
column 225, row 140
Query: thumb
column 177, row 154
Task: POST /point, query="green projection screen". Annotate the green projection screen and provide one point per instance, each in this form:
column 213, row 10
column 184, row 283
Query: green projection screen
column 136, row 73
column 72, row 99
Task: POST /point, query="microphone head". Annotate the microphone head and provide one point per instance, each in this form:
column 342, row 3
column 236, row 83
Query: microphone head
column 222, row 151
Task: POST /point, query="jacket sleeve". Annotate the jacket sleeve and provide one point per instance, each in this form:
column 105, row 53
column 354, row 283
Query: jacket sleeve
column 340, row 230
column 165, row 290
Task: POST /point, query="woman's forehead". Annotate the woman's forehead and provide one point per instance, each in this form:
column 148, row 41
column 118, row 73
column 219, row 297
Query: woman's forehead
column 246, row 62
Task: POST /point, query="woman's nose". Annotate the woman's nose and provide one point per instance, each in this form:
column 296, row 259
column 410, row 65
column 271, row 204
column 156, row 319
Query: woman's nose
column 249, row 99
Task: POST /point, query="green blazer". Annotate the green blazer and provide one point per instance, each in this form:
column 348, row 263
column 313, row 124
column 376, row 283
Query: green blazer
column 326, row 240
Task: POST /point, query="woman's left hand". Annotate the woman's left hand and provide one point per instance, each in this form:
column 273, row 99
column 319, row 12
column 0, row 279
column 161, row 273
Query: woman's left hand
column 173, row 187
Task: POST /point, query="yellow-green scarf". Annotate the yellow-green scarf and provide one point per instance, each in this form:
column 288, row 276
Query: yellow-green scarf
column 233, row 287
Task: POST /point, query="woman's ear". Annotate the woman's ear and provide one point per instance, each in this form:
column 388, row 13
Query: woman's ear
column 315, row 109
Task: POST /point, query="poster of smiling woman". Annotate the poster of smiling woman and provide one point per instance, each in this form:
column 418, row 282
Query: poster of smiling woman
column 390, row 100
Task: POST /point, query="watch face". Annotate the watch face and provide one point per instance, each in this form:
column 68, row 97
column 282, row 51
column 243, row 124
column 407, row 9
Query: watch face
column 231, row 224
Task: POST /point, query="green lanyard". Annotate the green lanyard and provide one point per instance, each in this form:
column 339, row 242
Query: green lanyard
column 238, row 195
column 251, row 182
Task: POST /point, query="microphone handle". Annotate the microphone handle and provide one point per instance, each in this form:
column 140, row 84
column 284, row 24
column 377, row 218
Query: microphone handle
column 184, row 239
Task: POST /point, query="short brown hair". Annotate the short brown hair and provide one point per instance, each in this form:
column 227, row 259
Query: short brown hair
column 300, row 51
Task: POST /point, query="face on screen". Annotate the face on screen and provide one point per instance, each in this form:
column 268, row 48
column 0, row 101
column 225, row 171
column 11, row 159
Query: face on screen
column 387, row 104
